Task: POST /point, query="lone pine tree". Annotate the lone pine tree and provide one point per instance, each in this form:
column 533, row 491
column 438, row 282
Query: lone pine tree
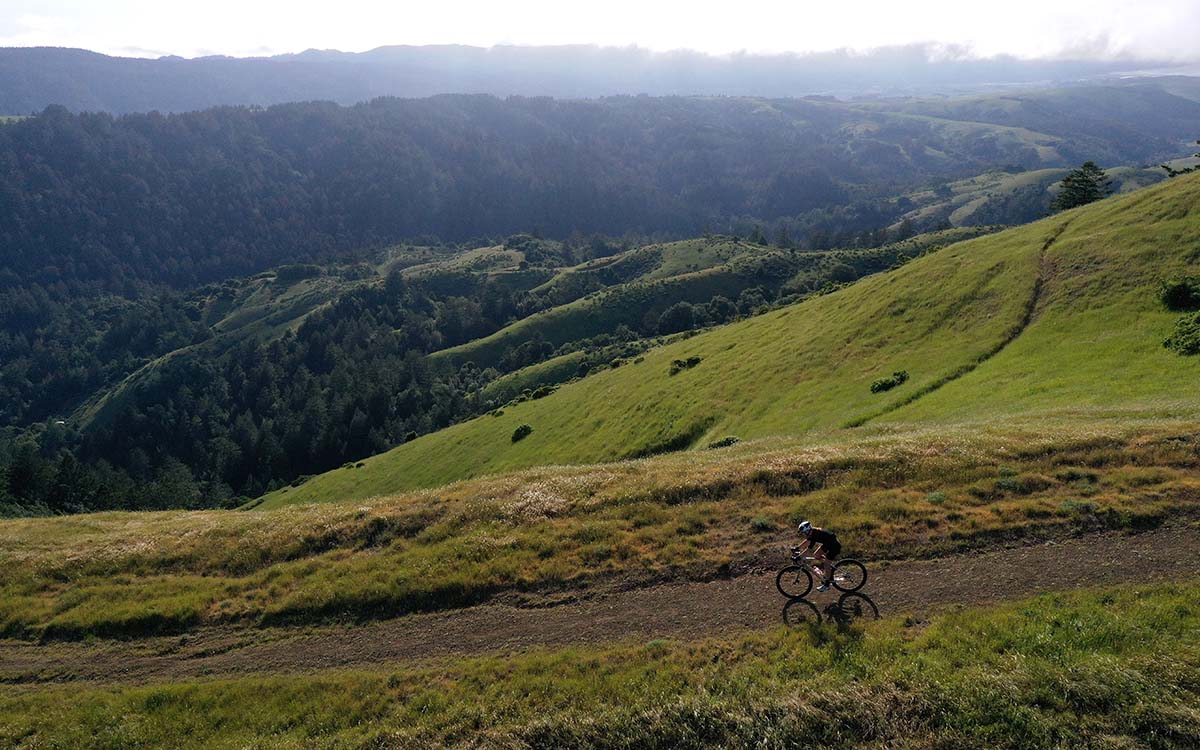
column 1082, row 186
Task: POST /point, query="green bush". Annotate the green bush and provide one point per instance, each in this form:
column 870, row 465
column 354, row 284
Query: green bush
column 290, row 274
column 521, row 433
column 761, row 524
column 1181, row 293
column 679, row 365
column 937, row 498
column 887, row 384
column 1077, row 507
column 724, row 442
column 1185, row 339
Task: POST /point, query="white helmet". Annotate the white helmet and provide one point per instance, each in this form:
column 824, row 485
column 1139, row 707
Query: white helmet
column 805, row 527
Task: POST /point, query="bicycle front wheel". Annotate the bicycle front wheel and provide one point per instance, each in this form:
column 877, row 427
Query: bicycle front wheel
column 794, row 582
column 849, row 575
column 799, row 612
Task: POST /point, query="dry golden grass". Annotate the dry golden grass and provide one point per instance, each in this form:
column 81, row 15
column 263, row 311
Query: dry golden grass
column 690, row 515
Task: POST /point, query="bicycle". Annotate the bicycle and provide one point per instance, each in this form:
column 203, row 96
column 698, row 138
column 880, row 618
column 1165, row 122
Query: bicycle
column 796, row 580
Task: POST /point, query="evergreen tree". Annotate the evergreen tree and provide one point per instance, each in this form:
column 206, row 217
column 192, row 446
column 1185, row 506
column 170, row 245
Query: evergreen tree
column 1082, row 186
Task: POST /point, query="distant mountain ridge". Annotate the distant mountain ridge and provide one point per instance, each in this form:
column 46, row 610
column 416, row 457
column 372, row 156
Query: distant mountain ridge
column 35, row 77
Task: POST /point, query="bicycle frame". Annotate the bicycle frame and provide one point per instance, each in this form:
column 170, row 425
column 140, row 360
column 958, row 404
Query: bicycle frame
column 806, row 562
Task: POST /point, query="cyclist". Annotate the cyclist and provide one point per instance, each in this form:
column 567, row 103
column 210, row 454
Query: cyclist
column 824, row 546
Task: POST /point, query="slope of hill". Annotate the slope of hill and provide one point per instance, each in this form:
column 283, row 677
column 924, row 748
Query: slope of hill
column 634, row 288
column 1058, row 317
column 1000, row 197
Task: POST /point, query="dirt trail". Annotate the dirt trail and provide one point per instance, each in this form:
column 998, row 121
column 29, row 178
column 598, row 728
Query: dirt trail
column 682, row 611
column 1031, row 308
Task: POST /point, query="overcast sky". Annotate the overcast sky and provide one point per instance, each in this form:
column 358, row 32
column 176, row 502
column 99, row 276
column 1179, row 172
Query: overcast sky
column 1148, row 29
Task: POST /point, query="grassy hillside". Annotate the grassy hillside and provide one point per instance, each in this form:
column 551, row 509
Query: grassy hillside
column 1062, row 314
column 597, row 297
column 1000, row 197
column 633, row 288
column 692, row 515
column 1110, row 668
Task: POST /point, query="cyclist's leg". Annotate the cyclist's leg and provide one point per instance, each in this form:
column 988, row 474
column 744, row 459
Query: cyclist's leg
column 822, row 562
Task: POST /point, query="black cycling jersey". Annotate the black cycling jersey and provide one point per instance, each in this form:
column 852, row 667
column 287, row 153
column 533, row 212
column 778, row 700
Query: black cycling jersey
column 828, row 541
column 822, row 537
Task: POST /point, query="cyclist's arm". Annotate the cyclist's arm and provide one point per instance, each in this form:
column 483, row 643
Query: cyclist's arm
column 817, row 547
column 804, row 545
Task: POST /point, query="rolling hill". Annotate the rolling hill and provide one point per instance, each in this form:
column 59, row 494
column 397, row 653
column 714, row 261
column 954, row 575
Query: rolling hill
column 1058, row 318
column 1001, row 197
column 634, row 288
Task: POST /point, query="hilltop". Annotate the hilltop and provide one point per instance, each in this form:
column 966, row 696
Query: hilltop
column 1059, row 318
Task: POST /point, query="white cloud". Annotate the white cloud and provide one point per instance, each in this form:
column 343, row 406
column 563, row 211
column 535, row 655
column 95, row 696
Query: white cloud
column 1026, row 28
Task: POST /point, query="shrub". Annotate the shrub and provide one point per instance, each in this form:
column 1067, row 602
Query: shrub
column 936, row 498
column 887, row 384
column 843, row 273
column 1077, row 475
column 542, row 391
column 685, row 364
column 724, row 442
column 290, row 274
column 680, row 316
column 1077, row 507
column 1180, row 293
column 761, row 524
column 1185, row 339
column 521, row 433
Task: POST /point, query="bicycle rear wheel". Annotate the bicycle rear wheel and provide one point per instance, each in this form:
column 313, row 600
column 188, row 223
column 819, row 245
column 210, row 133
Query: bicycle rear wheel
column 849, row 575
column 794, row 582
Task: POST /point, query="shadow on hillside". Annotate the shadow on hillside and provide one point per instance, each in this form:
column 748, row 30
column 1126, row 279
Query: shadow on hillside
column 849, row 608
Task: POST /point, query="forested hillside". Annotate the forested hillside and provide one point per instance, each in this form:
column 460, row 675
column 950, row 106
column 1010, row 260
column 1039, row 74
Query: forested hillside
column 96, row 202
column 233, row 389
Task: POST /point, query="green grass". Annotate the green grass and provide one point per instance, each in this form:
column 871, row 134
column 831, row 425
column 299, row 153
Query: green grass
column 1116, row 668
column 552, row 371
column 1006, row 196
column 691, row 515
column 1093, row 345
